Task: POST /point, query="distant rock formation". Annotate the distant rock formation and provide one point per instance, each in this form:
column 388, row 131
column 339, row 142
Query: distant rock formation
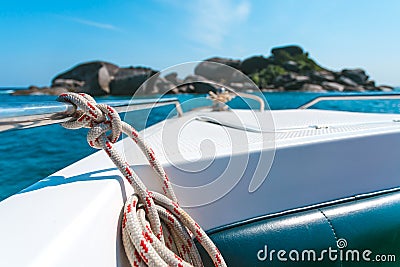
column 288, row 68
column 127, row 80
column 92, row 78
column 35, row 90
column 216, row 72
column 254, row 64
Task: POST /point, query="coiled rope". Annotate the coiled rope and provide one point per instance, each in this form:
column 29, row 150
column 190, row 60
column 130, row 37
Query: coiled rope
column 156, row 231
column 220, row 98
column 224, row 95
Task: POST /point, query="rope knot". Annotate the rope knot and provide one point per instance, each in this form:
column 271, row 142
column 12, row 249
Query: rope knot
column 220, row 99
column 148, row 215
column 100, row 118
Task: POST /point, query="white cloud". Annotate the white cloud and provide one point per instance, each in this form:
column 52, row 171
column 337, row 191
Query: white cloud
column 211, row 21
column 93, row 23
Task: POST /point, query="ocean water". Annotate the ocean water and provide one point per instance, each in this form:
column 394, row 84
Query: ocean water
column 27, row 156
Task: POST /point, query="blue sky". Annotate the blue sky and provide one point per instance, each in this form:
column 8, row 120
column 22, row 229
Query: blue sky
column 42, row 38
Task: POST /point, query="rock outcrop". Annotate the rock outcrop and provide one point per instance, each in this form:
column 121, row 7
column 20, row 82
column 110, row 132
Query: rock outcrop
column 288, row 68
column 292, row 50
column 126, row 81
column 35, row 90
column 198, row 84
column 254, row 64
column 217, row 72
column 93, row 78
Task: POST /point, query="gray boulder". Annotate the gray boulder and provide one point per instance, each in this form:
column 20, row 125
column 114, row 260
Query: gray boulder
column 234, row 63
column 163, row 86
column 347, row 81
column 254, row 64
column 332, row 86
column 291, row 66
column 35, row 90
column 128, row 80
column 357, row 88
column 104, row 78
column 385, row 88
column 224, row 70
column 173, row 78
column 309, row 87
column 370, row 88
column 357, row 75
column 291, row 81
column 67, row 83
column 321, row 76
column 292, row 50
column 370, row 83
column 92, row 78
column 198, row 84
column 297, row 84
column 242, row 86
column 283, row 79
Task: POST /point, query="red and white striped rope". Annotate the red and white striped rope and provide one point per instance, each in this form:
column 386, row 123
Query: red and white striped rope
column 156, row 231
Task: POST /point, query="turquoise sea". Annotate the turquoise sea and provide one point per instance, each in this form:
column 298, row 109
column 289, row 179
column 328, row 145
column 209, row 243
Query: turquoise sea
column 27, row 156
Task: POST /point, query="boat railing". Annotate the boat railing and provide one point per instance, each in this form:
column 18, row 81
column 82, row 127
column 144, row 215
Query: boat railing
column 15, row 116
column 348, row 97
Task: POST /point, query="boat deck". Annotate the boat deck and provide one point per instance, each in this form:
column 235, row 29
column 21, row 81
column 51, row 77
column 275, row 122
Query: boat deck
column 227, row 167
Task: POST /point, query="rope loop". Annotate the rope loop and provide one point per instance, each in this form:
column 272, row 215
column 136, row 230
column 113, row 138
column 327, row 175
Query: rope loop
column 220, row 98
column 156, row 231
column 100, row 118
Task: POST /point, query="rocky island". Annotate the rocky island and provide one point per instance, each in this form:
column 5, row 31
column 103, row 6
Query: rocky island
column 288, row 68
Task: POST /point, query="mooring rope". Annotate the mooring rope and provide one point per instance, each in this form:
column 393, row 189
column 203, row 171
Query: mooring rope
column 156, row 231
column 220, row 98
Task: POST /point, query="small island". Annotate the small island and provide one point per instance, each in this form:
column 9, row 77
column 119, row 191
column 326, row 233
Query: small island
column 288, row 68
